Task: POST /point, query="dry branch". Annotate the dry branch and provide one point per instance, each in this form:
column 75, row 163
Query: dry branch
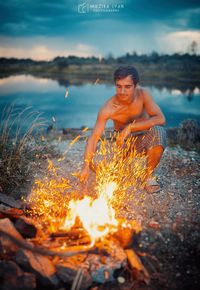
column 138, row 268
column 39, row 250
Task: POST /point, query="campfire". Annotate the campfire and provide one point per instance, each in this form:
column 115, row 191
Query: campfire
column 83, row 229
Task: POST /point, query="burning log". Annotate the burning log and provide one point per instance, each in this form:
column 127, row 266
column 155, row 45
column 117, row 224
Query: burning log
column 74, row 237
column 139, row 271
column 70, row 251
column 72, row 234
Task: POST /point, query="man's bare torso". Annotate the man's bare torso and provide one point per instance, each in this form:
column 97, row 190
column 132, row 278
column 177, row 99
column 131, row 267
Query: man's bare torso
column 122, row 115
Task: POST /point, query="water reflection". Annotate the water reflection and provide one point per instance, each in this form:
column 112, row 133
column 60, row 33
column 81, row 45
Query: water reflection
column 85, row 97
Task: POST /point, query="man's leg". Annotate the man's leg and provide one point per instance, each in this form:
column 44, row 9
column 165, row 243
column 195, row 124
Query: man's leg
column 153, row 158
column 155, row 143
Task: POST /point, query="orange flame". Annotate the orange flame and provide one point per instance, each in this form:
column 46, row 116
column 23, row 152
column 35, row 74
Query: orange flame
column 97, row 216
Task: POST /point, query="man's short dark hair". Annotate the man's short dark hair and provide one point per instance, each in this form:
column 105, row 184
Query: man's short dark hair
column 124, row 71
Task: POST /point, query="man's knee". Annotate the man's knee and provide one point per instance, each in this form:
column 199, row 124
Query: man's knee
column 157, row 150
column 156, row 139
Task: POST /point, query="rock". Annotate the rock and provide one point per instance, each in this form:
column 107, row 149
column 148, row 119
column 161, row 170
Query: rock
column 121, row 279
column 25, row 227
column 41, row 266
column 155, row 225
column 13, row 278
column 67, row 272
column 189, row 132
column 172, row 135
column 97, row 268
column 7, row 247
column 103, row 271
column 8, row 200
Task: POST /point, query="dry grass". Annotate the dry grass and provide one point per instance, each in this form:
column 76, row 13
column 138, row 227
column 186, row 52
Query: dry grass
column 21, row 147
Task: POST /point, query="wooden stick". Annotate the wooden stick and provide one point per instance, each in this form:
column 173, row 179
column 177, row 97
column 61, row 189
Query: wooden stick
column 76, row 233
column 45, row 252
column 77, row 280
column 139, row 270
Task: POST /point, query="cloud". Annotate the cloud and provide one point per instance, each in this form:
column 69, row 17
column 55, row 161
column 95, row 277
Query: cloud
column 45, row 49
column 140, row 26
column 179, row 41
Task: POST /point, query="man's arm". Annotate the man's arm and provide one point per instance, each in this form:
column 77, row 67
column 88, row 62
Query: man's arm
column 156, row 117
column 154, row 112
column 92, row 142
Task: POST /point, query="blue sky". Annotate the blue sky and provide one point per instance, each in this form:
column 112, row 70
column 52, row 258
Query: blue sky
column 46, row 29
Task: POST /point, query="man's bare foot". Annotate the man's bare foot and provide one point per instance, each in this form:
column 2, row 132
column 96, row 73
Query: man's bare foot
column 152, row 185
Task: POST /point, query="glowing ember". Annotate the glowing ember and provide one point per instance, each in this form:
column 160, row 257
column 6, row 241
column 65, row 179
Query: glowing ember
column 66, row 94
column 97, row 81
column 124, row 166
column 46, row 197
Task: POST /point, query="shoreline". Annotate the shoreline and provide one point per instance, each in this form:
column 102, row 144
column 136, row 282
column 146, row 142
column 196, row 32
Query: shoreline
column 186, row 135
column 76, row 78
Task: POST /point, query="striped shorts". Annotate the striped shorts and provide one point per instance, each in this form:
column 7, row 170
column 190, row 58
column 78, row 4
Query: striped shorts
column 145, row 140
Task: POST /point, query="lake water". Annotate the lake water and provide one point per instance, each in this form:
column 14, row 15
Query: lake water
column 83, row 102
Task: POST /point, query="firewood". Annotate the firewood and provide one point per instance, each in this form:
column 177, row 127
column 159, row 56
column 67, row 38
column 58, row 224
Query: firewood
column 75, row 237
column 75, row 233
column 64, row 242
column 12, row 213
column 139, row 271
column 70, row 251
column 80, row 241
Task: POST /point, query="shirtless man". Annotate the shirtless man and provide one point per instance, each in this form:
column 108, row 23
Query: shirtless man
column 131, row 109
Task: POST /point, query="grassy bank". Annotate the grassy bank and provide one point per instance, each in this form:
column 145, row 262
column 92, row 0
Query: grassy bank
column 23, row 150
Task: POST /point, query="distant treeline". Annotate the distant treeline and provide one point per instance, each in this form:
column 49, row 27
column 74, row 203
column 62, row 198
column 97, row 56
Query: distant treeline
column 64, row 62
column 162, row 67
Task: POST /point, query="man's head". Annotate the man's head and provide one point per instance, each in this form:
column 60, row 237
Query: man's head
column 123, row 72
column 126, row 79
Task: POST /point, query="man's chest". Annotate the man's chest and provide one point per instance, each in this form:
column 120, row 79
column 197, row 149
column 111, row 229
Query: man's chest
column 124, row 114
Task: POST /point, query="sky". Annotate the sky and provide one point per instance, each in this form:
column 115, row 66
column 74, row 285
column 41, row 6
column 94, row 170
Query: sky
column 42, row 30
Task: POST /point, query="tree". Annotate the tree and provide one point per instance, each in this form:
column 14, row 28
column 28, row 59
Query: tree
column 193, row 47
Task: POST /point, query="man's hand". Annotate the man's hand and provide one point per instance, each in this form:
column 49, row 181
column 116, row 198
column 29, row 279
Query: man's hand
column 84, row 174
column 123, row 135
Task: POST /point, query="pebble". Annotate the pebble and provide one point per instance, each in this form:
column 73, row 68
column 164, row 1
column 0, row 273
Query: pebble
column 121, row 279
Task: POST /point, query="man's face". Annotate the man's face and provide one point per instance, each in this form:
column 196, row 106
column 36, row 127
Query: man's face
column 125, row 89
